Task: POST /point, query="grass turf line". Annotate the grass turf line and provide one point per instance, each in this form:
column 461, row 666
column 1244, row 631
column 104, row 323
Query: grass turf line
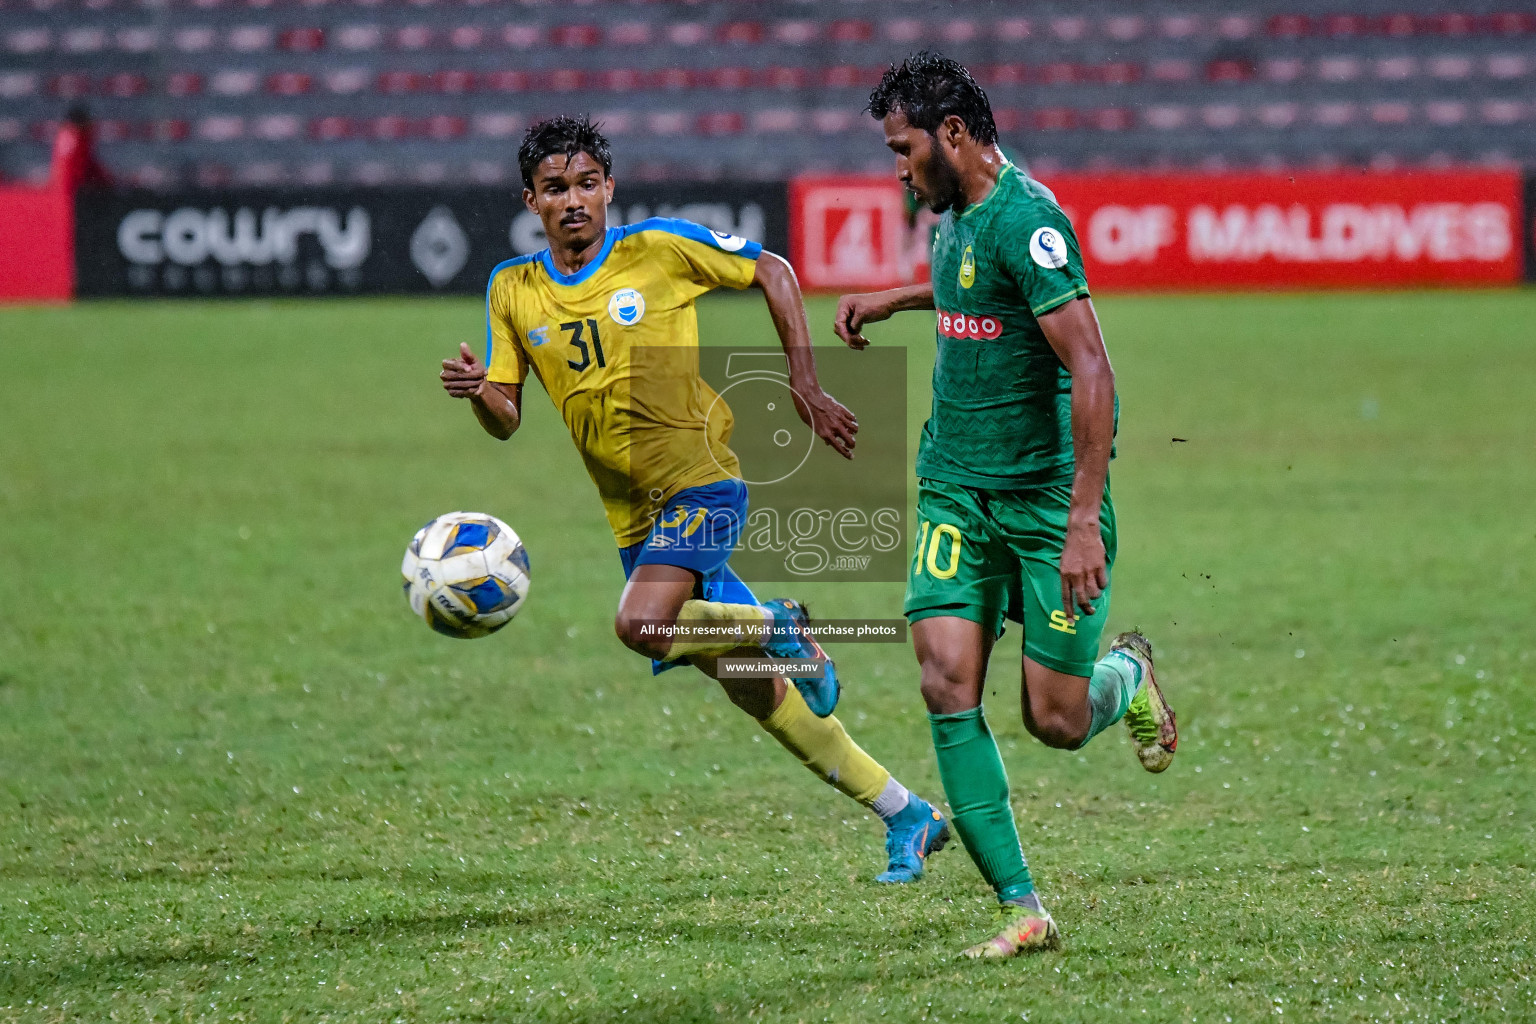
column 239, row 782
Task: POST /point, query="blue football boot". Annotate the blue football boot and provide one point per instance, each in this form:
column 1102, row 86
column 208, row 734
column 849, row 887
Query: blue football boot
column 912, row 835
column 791, row 639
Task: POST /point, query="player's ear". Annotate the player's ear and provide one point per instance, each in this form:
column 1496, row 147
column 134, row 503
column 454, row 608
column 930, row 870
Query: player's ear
column 952, row 131
column 607, row 190
column 528, row 200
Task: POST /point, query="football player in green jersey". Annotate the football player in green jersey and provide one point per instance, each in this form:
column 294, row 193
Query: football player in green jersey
column 1015, row 517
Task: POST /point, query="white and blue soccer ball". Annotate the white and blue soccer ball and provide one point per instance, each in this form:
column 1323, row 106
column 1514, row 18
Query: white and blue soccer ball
column 466, row 574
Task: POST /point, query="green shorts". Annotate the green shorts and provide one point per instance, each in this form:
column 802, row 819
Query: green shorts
column 985, row 555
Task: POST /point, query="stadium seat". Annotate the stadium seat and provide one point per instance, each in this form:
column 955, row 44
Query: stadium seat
column 797, row 32
column 289, row 83
column 1221, row 116
column 732, row 77
column 1179, row 26
column 124, row 85
column 721, row 122
column 497, row 125
column 687, row 33
column 29, row 41
column 851, row 30
column 194, row 38
column 1174, row 71
column 905, row 30
column 85, row 39
column 365, row 36
column 1005, row 74
column 1125, row 28
column 833, row 120
column 1070, row 29
column 1053, row 119
column 1229, row 69
column 959, row 31
column 183, row 83
column 1343, row 26
column 399, row 83
column 629, row 34
column 780, row 77
column 301, row 40
column 1395, row 69
column 576, row 36
column 780, row 119
column 277, row 127
column 1282, row 69
column 234, row 82
column 70, row 86
column 1334, row 114
column 1502, row 111
column 15, row 85
column 521, row 37
column 444, row 127
column 620, row 80
column 673, row 78
column 1288, row 26
column 331, row 128
column 1449, row 66
column 1111, row 119
column 137, row 39
column 467, row 37
column 1391, row 112
column 1445, row 113
column 1166, row 116
column 250, row 38
column 565, row 80
column 347, row 81
column 1339, row 68
column 1057, row 73
column 452, row 83
column 389, row 127
column 506, row 81
column 1509, row 65
column 221, row 127
column 667, row 122
column 1279, row 115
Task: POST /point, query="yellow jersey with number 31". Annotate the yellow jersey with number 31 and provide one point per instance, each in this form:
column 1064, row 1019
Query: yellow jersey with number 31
column 616, row 347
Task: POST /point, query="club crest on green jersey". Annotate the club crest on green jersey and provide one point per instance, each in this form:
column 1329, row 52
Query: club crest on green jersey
column 1048, row 248
column 967, row 268
column 626, row 307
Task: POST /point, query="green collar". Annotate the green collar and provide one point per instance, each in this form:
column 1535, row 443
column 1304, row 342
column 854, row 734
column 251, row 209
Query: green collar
column 1007, row 166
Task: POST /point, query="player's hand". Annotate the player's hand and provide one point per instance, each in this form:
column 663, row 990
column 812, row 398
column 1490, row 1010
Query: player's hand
column 853, row 312
column 1083, row 572
column 830, row 419
column 464, row 376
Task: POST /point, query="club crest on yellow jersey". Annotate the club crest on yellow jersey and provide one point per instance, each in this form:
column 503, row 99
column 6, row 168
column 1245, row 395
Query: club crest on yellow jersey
column 626, row 307
column 967, row 268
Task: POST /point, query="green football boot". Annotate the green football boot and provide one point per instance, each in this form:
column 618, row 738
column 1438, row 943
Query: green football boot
column 1020, row 930
column 1149, row 719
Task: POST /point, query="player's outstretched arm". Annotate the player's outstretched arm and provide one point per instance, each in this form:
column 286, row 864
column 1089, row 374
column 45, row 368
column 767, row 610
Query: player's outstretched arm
column 831, row 421
column 498, row 407
column 1073, row 332
column 854, row 311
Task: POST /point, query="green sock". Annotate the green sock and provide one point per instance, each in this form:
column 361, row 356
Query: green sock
column 977, row 788
column 1115, row 680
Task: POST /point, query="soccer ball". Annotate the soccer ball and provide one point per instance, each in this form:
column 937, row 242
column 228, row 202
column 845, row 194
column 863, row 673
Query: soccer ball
column 466, row 574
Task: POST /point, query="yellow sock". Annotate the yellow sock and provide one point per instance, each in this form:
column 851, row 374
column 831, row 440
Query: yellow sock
column 721, row 628
column 823, row 746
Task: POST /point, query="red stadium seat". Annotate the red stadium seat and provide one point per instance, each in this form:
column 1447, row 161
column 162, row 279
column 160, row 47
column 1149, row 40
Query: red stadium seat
column 959, row 30
column 183, row 83
column 1391, row 112
column 1173, row 71
column 506, row 81
column 453, row 83
column 1112, row 119
column 905, row 30
column 169, row 129
column 1450, row 24
column 1006, row 74
column 848, row 76
column 1058, row 73
column 390, row 127
column 1236, row 26
column 1179, row 26
column 741, row 33
column 576, row 36
column 1513, row 23
column 332, row 128
column 732, row 77
column 620, row 80
column 673, row 78
column 1115, row 72
column 444, row 127
column 687, row 33
column 69, row 86
column 1346, row 25
column 413, row 37
column 1071, row 29
column 780, row 77
column 1009, row 119
column 721, row 123
column 851, row 30
column 124, row 85
column 1397, row 25
column 1053, row 119
column 301, row 40
column 1288, row 26
column 565, row 80
column 289, row 83
column 1229, row 69
column 111, row 129
column 396, row 83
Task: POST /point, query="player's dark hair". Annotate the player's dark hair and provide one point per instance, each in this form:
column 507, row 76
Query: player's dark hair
column 928, row 87
column 563, row 134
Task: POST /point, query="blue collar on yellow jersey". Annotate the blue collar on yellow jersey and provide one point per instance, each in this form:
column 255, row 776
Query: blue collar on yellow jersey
column 673, row 225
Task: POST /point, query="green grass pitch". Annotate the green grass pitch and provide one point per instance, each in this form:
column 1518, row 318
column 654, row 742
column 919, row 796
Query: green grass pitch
column 238, row 782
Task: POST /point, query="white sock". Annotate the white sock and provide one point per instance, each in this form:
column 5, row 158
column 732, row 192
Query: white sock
column 892, row 800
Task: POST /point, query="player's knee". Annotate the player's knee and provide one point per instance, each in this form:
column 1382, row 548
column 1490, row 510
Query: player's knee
column 632, row 633
column 1055, row 727
column 946, row 688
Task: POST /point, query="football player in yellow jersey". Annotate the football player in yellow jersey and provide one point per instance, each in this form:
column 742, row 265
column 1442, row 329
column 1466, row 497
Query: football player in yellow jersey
column 605, row 319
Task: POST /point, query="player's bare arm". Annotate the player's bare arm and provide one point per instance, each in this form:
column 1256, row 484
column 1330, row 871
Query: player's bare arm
column 1073, row 331
column 828, row 417
column 498, row 407
column 855, row 311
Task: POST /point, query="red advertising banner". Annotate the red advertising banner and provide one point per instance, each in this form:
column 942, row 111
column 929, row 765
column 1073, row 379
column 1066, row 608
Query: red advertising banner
column 37, row 249
column 1188, row 231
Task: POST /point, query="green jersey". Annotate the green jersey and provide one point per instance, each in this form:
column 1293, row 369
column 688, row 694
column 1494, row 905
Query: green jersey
column 1002, row 400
